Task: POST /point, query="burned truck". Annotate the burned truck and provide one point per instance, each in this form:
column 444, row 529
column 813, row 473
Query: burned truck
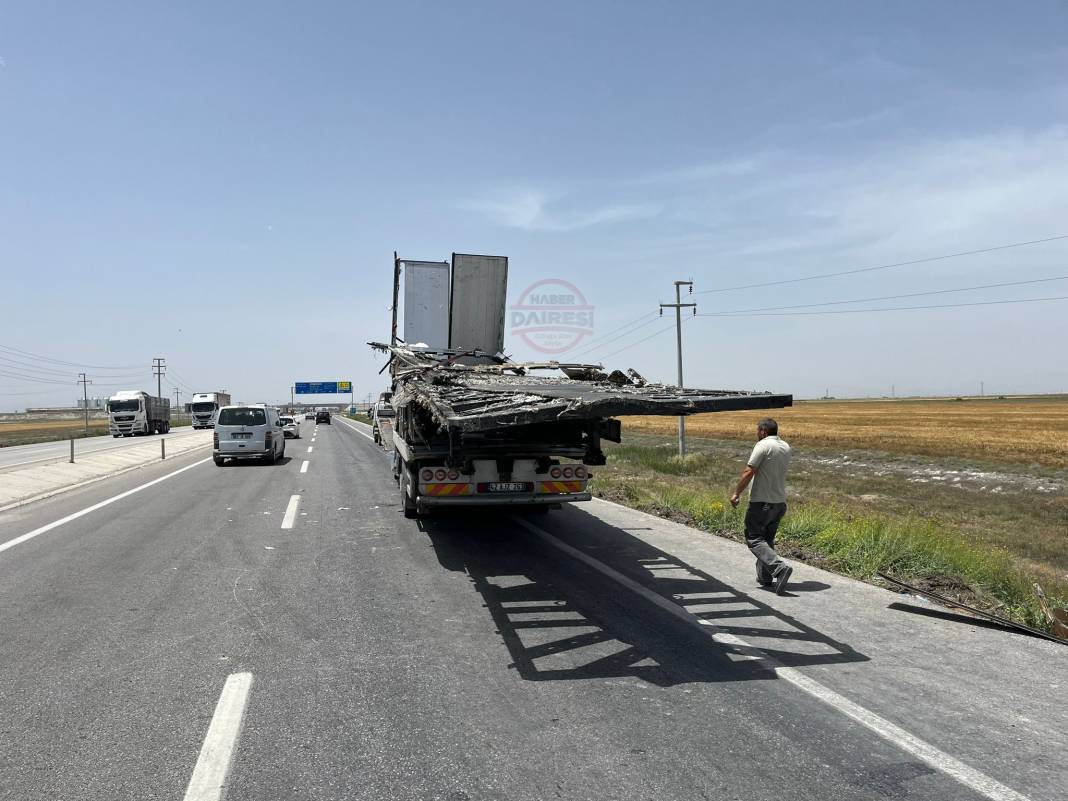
column 475, row 428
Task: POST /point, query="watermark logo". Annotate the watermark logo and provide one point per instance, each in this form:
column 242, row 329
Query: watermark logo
column 552, row 316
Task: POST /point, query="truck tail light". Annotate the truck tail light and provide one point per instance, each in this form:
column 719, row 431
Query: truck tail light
column 427, row 474
column 440, row 474
column 580, row 472
column 568, row 472
column 554, row 472
column 267, row 438
column 453, row 475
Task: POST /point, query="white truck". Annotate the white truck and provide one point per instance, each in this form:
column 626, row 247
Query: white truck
column 133, row 412
column 205, row 407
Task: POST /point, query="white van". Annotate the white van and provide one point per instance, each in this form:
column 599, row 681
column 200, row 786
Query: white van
column 248, row 432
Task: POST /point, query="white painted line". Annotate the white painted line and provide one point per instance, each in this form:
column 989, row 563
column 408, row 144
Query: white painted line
column 358, row 431
column 29, row 535
column 216, row 755
column 291, row 512
column 965, row 774
column 311, row 448
column 313, row 439
column 304, row 467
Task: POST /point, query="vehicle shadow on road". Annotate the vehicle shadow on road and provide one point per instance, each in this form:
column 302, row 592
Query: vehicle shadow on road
column 562, row 620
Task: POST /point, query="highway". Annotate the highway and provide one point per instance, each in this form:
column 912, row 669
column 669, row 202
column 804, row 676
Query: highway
column 187, row 631
column 39, row 452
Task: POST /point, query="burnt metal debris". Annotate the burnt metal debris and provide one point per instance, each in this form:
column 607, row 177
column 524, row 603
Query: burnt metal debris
column 474, row 391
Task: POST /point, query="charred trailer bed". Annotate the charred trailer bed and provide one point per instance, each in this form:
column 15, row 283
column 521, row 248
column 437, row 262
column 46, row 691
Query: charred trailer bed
column 475, row 430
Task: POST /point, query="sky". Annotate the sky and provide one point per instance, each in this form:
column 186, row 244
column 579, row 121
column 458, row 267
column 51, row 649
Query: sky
column 224, row 184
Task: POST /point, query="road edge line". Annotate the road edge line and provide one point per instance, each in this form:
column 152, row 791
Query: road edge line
column 29, row 535
column 964, row 774
column 217, row 753
column 53, row 493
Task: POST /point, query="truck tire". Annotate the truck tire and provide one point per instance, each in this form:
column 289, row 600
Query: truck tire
column 407, row 503
column 167, row 428
column 218, row 461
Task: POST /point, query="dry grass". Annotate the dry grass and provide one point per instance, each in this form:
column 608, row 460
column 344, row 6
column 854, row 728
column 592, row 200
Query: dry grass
column 26, row 432
column 1025, row 431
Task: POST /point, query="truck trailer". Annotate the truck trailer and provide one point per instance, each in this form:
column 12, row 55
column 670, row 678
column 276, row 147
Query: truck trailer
column 205, row 406
column 474, row 428
column 133, row 412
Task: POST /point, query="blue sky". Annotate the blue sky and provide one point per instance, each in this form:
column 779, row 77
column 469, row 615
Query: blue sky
column 223, row 185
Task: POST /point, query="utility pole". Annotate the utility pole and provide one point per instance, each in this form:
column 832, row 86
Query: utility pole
column 85, row 399
column 678, row 306
column 177, row 403
column 982, row 389
column 292, row 389
column 159, row 369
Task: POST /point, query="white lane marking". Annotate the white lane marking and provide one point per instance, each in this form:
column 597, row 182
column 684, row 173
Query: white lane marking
column 216, row 755
column 311, row 448
column 313, row 439
column 304, row 467
column 291, row 512
column 965, row 774
column 358, row 431
column 29, row 535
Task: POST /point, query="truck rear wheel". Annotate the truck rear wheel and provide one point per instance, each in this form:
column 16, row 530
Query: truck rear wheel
column 407, row 503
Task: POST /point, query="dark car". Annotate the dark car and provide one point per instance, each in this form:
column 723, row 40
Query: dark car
column 322, row 416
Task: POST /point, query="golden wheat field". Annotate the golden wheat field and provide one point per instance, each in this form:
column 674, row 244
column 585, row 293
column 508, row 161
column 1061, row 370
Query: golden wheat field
column 1027, row 431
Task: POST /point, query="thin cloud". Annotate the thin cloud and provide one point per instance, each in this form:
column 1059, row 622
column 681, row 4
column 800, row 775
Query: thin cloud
column 533, row 211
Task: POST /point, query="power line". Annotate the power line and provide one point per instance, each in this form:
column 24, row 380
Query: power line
column 890, row 297
column 888, row 266
column 35, row 379
column 886, row 309
column 21, row 352
column 652, row 319
column 589, row 346
column 645, row 339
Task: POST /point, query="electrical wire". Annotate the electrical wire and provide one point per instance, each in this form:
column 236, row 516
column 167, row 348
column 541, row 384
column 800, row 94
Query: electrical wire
column 21, row 352
column 643, row 339
column 615, row 339
column 887, row 308
column 590, row 345
column 886, row 266
column 888, row 297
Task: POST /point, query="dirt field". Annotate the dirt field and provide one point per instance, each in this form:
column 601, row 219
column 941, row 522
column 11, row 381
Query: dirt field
column 27, row 431
column 1025, row 431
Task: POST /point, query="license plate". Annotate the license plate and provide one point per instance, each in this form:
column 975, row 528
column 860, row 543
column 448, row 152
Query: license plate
column 507, row 486
column 241, row 436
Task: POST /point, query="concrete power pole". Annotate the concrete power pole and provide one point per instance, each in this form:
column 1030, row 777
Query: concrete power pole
column 85, row 399
column 177, row 403
column 678, row 306
column 159, row 369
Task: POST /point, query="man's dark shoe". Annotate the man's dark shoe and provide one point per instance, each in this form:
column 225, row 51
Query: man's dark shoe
column 764, row 583
column 782, row 575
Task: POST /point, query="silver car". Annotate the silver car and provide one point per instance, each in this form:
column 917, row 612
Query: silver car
column 290, row 427
column 248, row 432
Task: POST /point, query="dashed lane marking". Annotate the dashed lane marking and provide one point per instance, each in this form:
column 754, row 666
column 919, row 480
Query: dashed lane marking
column 304, row 467
column 217, row 753
column 311, row 448
column 291, row 511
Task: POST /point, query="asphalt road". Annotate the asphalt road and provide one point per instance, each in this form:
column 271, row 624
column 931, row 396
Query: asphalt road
column 17, row 455
column 359, row 655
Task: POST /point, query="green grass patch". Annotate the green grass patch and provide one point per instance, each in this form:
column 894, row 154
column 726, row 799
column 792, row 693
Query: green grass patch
column 923, row 551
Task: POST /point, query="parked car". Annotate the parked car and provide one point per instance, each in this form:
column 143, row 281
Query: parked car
column 322, row 416
column 290, row 427
column 382, row 410
column 248, row 432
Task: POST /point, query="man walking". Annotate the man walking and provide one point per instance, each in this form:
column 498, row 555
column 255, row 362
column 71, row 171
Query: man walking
column 766, row 469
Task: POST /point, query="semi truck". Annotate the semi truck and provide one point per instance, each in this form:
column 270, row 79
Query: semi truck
column 133, row 412
column 472, row 427
column 205, row 406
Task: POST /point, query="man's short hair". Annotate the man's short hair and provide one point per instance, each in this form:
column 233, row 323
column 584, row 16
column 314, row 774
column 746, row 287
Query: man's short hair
column 769, row 427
